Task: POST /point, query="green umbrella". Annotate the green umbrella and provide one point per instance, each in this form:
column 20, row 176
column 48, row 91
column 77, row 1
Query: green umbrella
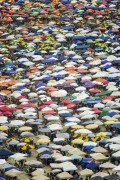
column 52, row 16
column 15, row 15
column 104, row 113
column 104, row 93
column 34, row 14
column 70, row 97
column 65, row 12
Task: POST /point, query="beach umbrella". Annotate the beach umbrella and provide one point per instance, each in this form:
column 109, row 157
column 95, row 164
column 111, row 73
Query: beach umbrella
column 64, row 175
column 68, row 166
column 43, row 141
column 37, row 172
column 60, row 93
column 25, row 128
column 107, row 165
column 33, row 163
column 99, row 174
column 83, row 131
column 4, row 128
column 86, row 172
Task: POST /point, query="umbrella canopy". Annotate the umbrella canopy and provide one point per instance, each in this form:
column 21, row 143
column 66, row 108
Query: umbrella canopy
column 64, row 175
column 86, row 172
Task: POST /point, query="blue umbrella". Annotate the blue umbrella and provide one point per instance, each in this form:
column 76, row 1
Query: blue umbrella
column 9, row 168
column 42, row 146
column 37, row 52
column 48, row 61
column 116, row 125
column 66, row 115
column 41, row 84
column 68, row 27
column 111, row 114
column 59, row 77
column 86, row 160
column 46, row 152
column 78, row 37
column 92, row 165
column 89, row 147
column 4, row 152
column 11, row 72
column 117, row 62
column 1, row 178
column 47, row 78
column 91, row 38
column 82, row 47
column 107, row 66
column 79, row 42
column 93, row 101
column 45, row 156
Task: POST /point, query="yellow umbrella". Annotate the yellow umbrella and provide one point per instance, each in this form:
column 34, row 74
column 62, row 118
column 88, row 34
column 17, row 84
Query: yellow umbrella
column 101, row 134
column 77, row 141
column 92, row 126
column 4, row 128
column 114, row 110
column 25, row 128
column 109, row 122
column 43, row 141
column 111, row 119
column 77, row 127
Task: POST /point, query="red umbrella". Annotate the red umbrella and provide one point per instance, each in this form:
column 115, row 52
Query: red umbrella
column 7, row 113
column 6, row 15
column 20, row 97
column 20, row 107
column 66, row 101
column 4, row 108
column 49, row 112
column 31, row 18
column 1, row 103
column 29, row 105
column 1, row 114
column 108, row 98
column 43, row 106
column 96, row 110
column 9, row 20
column 49, row 102
column 12, row 109
column 93, row 90
column 70, row 106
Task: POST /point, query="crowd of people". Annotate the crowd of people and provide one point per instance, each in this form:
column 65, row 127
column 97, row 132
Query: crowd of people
column 59, row 89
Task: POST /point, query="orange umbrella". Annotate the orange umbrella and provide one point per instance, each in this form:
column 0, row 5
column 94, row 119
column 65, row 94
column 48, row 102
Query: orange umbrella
column 50, row 68
column 72, row 72
column 6, row 92
column 83, row 71
column 102, row 80
column 4, row 85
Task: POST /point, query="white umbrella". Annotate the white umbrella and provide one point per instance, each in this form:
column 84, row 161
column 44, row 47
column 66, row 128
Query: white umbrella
column 107, row 165
column 32, row 95
column 80, row 88
column 117, row 168
column 114, row 147
column 90, row 143
column 73, row 119
column 99, row 105
column 83, row 131
column 17, row 123
column 3, row 119
column 59, row 93
column 53, row 118
column 54, row 127
column 117, row 154
column 68, row 166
